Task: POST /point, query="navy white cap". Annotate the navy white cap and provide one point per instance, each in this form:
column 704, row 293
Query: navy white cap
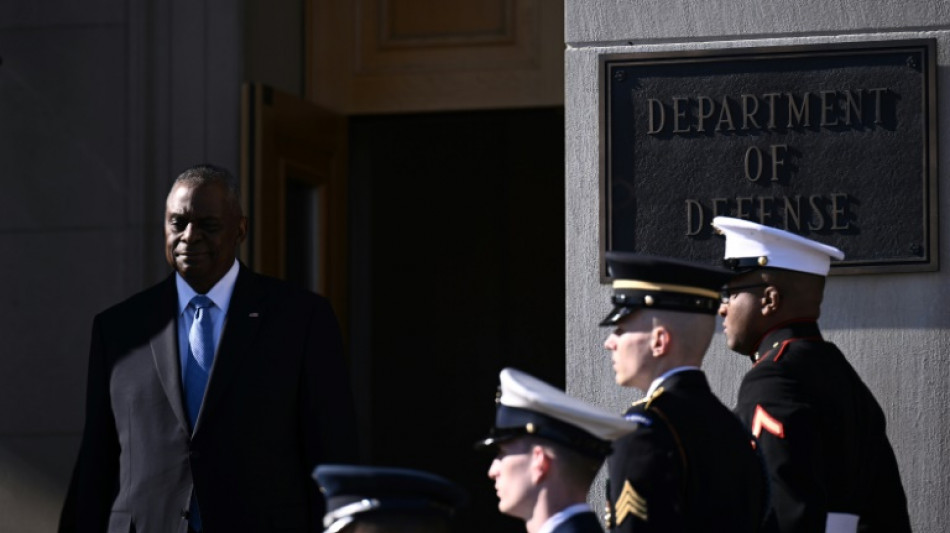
column 750, row 246
column 528, row 406
column 354, row 490
column 645, row 281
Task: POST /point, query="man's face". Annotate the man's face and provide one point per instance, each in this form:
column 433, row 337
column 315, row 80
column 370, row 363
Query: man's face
column 741, row 312
column 630, row 344
column 511, row 471
column 202, row 233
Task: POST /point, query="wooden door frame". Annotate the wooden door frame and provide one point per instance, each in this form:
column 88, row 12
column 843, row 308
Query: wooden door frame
column 281, row 134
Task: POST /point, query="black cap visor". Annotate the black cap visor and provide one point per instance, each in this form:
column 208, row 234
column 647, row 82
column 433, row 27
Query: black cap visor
column 513, row 422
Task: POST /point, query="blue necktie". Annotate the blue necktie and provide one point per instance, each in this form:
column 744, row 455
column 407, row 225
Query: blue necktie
column 200, row 356
column 197, row 368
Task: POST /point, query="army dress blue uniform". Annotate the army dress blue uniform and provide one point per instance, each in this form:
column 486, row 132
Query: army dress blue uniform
column 690, row 466
column 580, row 522
column 822, row 435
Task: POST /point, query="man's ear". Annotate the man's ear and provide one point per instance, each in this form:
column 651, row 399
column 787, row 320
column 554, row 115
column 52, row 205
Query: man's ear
column 771, row 300
column 660, row 341
column 540, row 463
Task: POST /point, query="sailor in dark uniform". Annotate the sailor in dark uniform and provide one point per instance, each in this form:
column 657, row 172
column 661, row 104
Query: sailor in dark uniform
column 819, row 428
column 374, row 499
column 548, row 448
column 691, row 465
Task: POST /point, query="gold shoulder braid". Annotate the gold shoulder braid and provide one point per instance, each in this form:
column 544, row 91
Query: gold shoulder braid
column 656, row 394
column 648, row 399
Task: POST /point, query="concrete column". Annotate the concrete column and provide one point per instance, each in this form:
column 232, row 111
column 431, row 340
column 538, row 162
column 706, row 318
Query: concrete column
column 892, row 327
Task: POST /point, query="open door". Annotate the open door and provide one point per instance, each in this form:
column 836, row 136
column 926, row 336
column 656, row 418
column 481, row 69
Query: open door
column 293, row 178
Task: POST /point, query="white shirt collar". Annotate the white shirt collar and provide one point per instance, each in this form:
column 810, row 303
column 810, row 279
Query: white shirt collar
column 659, row 381
column 220, row 294
column 562, row 516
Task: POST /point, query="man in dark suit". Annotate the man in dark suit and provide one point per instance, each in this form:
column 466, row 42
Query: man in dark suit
column 548, row 448
column 820, row 429
column 212, row 395
column 690, row 466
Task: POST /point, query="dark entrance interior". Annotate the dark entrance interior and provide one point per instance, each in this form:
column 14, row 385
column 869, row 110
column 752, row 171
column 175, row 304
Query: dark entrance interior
column 457, row 270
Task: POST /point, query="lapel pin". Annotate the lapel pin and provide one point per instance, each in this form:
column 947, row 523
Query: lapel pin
column 253, row 315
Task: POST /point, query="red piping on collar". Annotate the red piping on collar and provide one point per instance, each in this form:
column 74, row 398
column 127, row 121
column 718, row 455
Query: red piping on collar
column 781, row 349
column 781, row 325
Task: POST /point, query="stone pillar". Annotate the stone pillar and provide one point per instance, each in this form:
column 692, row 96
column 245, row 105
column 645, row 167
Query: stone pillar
column 892, row 327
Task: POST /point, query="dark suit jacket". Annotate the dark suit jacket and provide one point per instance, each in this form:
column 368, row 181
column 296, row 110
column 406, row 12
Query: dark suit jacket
column 689, row 466
column 580, row 523
column 278, row 403
column 822, row 434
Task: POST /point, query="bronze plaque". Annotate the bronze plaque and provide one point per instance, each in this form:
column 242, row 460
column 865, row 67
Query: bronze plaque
column 834, row 142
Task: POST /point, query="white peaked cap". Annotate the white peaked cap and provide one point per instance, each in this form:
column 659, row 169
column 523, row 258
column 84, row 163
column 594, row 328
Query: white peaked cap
column 765, row 246
column 524, row 391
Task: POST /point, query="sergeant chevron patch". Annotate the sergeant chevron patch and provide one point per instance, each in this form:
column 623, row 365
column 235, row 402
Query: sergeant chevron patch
column 630, row 503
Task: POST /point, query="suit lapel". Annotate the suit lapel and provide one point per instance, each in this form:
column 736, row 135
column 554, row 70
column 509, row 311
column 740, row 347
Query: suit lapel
column 164, row 346
column 240, row 329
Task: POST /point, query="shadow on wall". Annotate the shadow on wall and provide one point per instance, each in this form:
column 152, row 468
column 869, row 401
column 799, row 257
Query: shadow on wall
column 34, row 474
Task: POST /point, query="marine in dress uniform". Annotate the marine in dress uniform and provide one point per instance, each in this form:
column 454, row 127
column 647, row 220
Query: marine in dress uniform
column 549, row 447
column 691, row 465
column 818, row 426
column 378, row 499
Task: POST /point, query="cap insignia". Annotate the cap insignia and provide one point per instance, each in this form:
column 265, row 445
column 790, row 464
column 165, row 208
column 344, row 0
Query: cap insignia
column 648, row 300
column 529, row 427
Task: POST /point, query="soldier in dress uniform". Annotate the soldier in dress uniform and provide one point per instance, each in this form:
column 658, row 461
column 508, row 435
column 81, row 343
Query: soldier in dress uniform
column 549, row 447
column 373, row 499
column 691, row 465
column 819, row 428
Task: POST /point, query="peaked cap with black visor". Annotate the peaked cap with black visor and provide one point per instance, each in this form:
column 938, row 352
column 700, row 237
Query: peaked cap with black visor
column 651, row 282
column 353, row 491
column 751, row 246
column 527, row 406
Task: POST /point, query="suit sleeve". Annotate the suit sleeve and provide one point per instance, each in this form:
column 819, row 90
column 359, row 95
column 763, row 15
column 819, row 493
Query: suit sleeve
column 772, row 404
column 95, row 476
column 329, row 415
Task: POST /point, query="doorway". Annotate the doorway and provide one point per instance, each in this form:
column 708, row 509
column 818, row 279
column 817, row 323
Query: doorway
column 456, row 270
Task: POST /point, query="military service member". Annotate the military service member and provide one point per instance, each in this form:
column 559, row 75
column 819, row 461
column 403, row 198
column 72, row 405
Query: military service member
column 549, row 447
column 372, row 499
column 819, row 428
column 691, row 465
